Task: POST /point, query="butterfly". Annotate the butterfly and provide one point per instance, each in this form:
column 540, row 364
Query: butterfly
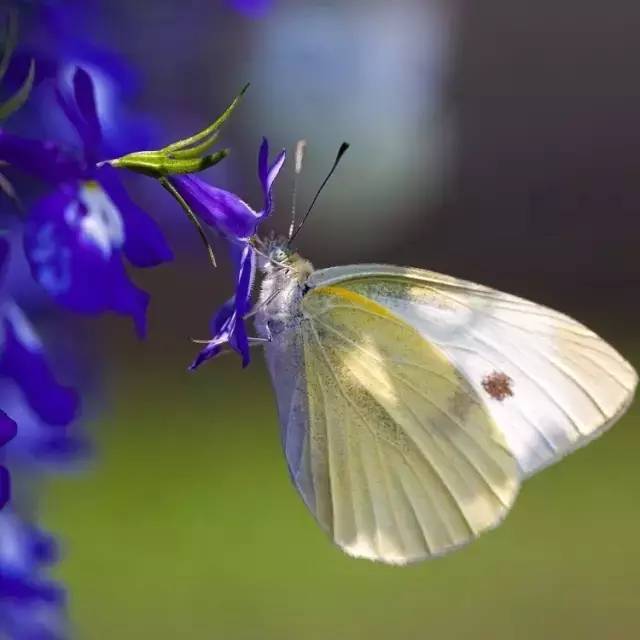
column 412, row 404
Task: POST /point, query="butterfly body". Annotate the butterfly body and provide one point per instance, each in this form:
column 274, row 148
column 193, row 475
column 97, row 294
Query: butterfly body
column 412, row 404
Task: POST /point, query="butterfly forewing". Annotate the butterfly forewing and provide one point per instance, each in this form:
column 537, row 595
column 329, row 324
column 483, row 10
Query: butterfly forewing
column 399, row 458
column 550, row 383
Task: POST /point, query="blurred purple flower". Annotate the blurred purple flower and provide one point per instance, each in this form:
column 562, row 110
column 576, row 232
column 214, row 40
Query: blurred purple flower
column 8, row 430
column 39, row 444
column 23, row 361
column 30, row 396
column 252, row 8
column 237, row 222
column 31, row 606
column 58, row 38
column 76, row 235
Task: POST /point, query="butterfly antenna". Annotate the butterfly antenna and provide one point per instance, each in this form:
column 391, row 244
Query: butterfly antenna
column 300, row 147
column 341, row 151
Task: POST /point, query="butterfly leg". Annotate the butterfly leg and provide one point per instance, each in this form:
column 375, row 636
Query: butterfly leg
column 260, row 306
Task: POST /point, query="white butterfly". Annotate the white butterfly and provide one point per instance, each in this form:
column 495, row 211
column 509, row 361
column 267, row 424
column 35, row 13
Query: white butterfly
column 413, row 404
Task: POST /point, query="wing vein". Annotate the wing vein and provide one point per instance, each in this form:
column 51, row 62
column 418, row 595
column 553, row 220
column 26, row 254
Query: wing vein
column 543, row 356
column 327, row 447
column 424, row 454
column 452, row 419
column 400, row 378
column 345, row 396
column 526, row 375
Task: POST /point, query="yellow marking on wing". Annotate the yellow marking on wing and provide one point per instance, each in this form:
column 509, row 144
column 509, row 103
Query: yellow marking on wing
column 356, row 298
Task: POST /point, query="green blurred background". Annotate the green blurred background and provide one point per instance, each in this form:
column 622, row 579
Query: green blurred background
column 187, row 526
column 496, row 141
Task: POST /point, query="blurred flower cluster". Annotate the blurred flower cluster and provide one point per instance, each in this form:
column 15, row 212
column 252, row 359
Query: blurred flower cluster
column 68, row 224
column 69, row 231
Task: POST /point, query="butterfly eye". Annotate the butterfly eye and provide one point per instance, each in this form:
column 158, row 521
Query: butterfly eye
column 280, row 255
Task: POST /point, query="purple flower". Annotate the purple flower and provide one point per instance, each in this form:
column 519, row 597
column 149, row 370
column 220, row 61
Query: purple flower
column 224, row 211
column 76, row 235
column 39, row 445
column 23, row 361
column 58, row 38
column 237, row 222
column 31, row 605
column 227, row 326
column 41, row 407
column 252, row 8
column 30, row 396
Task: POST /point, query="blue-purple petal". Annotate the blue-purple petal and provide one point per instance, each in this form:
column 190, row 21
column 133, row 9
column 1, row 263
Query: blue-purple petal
column 127, row 299
column 18, row 589
column 84, row 94
column 238, row 340
column 246, row 275
column 43, row 547
column 45, row 67
column 263, row 164
column 252, row 8
column 211, row 350
column 8, row 428
column 44, row 160
column 230, row 216
column 221, row 327
column 47, row 245
column 49, row 446
column 246, row 270
column 31, row 605
column 73, row 240
column 79, row 108
column 4, row 255
column 144, row 244
column 227, row 326
column 222, row 318
column 69, row 108
column 23, row 360
column 224, row 211
column 267, row 175
column 5, row 486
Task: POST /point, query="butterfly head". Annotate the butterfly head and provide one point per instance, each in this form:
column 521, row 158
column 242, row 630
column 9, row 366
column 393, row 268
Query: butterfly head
column 278, row 257
column 276, row 248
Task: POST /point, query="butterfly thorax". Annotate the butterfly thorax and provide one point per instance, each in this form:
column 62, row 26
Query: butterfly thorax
column 283, row 287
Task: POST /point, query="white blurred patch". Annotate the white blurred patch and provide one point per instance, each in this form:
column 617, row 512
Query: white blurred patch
column 373, row 76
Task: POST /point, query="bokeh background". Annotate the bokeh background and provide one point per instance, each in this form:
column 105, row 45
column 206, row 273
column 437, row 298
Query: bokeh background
column 497, row 141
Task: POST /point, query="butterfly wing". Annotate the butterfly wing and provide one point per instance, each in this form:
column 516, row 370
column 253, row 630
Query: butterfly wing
column 392, row 450
column 550, row 383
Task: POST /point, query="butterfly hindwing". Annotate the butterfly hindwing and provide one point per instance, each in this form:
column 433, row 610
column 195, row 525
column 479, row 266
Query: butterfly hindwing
column 394, row 451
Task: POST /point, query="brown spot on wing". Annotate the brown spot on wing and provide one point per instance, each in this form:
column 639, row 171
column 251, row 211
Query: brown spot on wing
column 498, row 385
